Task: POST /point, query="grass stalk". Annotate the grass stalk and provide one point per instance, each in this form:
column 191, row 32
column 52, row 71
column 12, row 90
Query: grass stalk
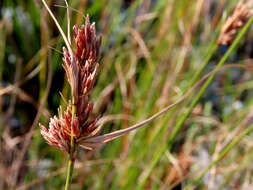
column 69, row 173
column 222, row 154
column 71, row 160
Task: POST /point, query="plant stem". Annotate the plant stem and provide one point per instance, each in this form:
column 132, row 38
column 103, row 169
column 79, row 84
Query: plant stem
column 71, row 160
column 69, row 173
column 222, row 154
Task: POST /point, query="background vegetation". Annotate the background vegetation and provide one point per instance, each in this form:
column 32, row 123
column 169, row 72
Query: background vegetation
column 153, row 51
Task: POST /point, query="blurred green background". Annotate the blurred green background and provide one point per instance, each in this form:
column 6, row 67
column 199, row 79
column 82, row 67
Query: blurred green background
column 152, row 52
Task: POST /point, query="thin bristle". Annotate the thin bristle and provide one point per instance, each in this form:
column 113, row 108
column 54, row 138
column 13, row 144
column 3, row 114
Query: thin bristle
column 59, row 27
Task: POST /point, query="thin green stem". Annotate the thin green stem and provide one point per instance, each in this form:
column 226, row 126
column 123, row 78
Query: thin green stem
column 222, row 154
column 71, row 160
column 69, row 173
column 196, row 76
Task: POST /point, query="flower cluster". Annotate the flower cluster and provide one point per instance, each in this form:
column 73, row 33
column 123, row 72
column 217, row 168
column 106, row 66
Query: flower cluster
column 81, row 67
column 237, row 20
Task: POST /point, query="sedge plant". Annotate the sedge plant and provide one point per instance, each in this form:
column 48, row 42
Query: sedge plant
column 76, row 127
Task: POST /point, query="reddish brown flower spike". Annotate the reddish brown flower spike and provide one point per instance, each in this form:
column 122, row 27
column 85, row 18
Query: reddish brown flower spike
column 237, row 20
column 81, row 68
column 87, row 43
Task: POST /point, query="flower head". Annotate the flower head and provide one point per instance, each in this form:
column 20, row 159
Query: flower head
column 81, row 67
column 237, row 20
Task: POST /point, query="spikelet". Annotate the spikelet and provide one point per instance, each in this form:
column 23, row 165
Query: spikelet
column 237, row 20
column 81, row 68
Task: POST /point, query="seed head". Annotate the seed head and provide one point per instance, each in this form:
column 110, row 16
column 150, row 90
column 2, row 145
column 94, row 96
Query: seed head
column 237, row 20
column 81, row 67
column 87, row 43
